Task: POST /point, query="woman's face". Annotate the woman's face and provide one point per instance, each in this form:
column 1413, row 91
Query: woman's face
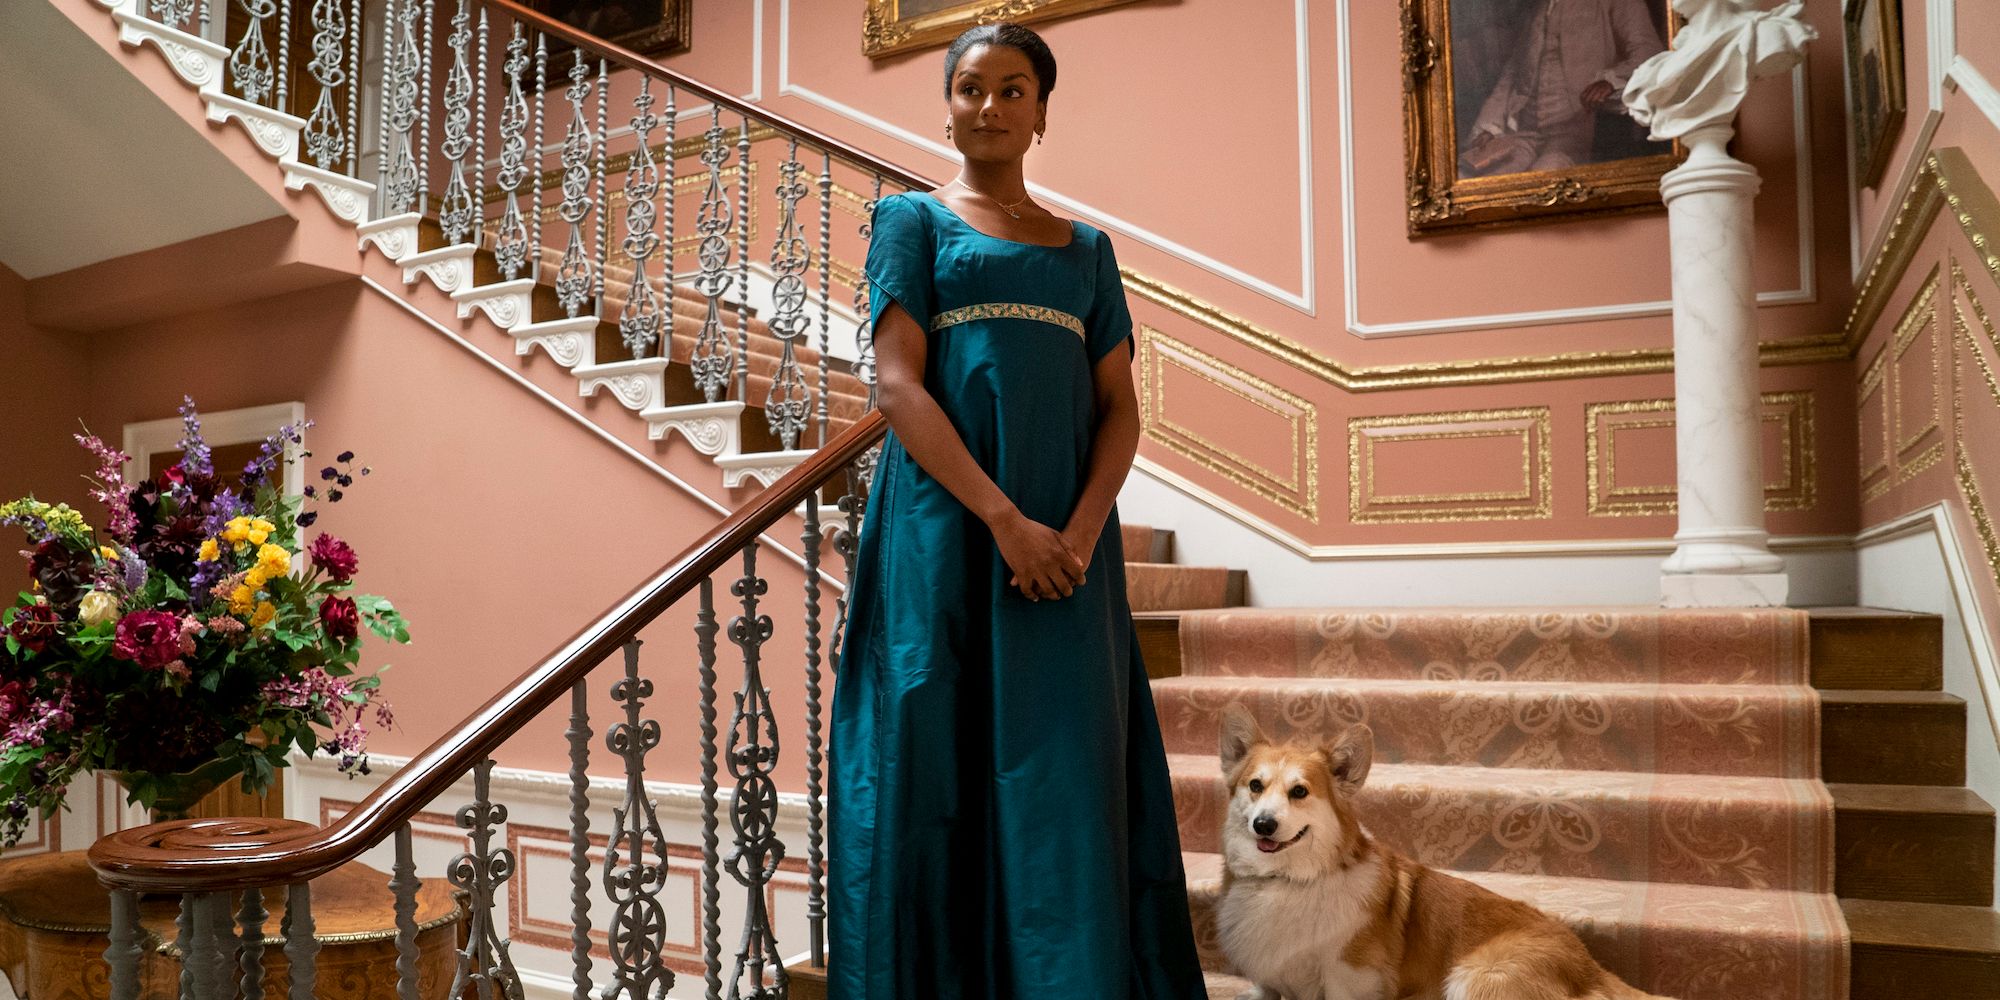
column 995, row 104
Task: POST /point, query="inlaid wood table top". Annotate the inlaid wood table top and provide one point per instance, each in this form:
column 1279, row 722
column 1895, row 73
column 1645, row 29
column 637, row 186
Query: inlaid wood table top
column 55, row 920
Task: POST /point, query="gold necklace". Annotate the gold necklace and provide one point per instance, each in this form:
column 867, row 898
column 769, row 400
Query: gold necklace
column 1009, row 209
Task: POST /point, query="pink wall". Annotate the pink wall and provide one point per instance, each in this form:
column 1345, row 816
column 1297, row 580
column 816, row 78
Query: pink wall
column 41, row 372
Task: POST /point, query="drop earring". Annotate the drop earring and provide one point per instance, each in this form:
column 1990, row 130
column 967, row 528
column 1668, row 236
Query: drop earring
column 947, row 130
column 1038, row 138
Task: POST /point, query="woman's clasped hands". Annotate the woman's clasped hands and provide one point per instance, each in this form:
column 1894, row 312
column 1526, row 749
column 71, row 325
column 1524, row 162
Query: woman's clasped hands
column 1046, row 563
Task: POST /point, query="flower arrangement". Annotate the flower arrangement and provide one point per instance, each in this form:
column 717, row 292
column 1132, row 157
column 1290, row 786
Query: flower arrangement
column 194, row 631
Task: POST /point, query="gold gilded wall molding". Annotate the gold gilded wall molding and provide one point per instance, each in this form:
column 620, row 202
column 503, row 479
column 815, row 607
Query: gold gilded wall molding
column 1529, row 427
column 1919, row 318
column 1796, row 486
column 1157, row 350
column 1967, row 476
column 1947, row 179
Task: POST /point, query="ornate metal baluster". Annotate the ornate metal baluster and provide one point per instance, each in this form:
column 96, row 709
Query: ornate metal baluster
column 573, row 279
column 825, row 257
column 864, row 334
column 403, row 885
column 711, row 880
column 603, row 203
column 284, row 53
column 635, row 860
column 541, row 101
column 123, row 953
column 486, row 962
column 481, row 68
column 578, row 735
column 325, row 137
column 184, row 935
column 354, row 90
column 788, row 401
column 250, row 62
column 809, row 540
column 399, row 96
column 301, row 947
column 173, row 13
column 753, row 813
column 455, row 216
column 641, row 321
column 222, row 957
column 510, row 241
column 713, row 361
column 743, row 260
column 672, row 165
column 251, row 920
column 424, row 111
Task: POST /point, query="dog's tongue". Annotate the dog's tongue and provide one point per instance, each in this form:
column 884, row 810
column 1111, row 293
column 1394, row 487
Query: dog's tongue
column 1267, row 845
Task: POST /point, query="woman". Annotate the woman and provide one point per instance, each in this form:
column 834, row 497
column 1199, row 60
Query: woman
column 1002, row 821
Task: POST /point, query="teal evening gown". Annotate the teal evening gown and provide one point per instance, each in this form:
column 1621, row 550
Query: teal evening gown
column 1002, row 823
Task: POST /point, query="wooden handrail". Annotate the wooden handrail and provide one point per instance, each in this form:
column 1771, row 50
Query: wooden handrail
column 213, row 855
column 633, row 60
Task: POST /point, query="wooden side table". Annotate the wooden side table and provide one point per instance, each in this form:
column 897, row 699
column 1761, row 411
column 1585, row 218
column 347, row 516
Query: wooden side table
column 55, row 922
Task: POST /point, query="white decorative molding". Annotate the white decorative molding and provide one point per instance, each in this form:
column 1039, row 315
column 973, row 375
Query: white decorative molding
column 449, row 268
column 572, row 343
column 1305, row 299
column 507, row 303
column 394, row 235
column 1973, row 84
column 197, row 61
column 640, row 384
column 145, row 438
column 274, row 132
column 713, row 428
column 589, row 425
column 763, row 466
column 345, row 197
column 1807, row 290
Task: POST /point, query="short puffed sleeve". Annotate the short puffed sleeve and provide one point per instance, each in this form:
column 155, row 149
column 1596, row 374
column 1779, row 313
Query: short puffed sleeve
column 1110, row 320
column 900, row 260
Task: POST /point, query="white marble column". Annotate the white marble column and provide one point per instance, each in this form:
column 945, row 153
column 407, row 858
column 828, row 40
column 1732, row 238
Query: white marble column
column 1722, row 555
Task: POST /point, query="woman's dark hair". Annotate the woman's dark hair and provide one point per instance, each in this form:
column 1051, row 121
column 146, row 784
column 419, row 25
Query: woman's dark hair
column 1013, row 36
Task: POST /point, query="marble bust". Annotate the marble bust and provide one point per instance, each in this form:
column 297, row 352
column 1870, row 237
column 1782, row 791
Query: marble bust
column 1726, row 45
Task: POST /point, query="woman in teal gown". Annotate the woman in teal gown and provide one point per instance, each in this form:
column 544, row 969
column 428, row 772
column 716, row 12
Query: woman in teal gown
column 1001, row 816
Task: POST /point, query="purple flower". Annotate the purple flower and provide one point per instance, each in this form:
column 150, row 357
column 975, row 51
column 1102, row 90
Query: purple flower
column 194, row 451
column 334, row 556
column 110, row 487
column 344, row 457
column 152, row 639
column 35, row 626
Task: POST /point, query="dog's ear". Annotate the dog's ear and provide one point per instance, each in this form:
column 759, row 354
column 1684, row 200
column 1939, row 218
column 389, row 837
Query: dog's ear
column 1351, row 756
column 1240, row 732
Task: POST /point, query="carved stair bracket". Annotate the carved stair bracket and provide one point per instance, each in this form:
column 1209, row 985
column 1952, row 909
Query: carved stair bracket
column 395, row 235
column 197, row 61
column 274, row 132
column 639, row 385
column 506, row 303
column 449, row 268
column 345, row 197
column 763, row 466
column 713, row 428
column 571, row 342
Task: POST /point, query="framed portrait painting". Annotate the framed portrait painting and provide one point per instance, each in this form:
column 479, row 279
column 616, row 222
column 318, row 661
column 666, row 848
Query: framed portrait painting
column 892, row 26
column 648, row 27
column 1875, row 94
column 1513, row 111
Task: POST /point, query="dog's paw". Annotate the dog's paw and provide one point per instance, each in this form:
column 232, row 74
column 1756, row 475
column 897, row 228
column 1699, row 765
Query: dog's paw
column 1258, row 993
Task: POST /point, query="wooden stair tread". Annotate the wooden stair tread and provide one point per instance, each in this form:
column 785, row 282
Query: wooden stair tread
column 1932, row 926
column 1932, row 799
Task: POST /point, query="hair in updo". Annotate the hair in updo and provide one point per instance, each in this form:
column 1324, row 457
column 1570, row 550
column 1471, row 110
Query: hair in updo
column 1009, row 34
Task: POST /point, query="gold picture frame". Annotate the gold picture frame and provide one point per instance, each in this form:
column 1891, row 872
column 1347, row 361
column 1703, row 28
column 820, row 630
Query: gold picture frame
column 892, row 26
column 649, row 27
column 1473, row 95
column 1876, row 98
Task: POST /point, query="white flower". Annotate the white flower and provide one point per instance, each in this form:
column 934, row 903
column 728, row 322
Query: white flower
column 98, row 607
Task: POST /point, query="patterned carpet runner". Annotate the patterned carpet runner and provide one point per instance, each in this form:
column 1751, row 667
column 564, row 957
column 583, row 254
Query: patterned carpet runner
column 1649, row 777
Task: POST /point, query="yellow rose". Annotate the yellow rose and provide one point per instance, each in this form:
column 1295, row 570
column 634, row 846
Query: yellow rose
column 256, row 577
column 242, row 600
column 108, row 552
column 265, row 612
column 210, row 551
column 273, row 560
column 260, row 530
column 97, row 608
column 236, row 530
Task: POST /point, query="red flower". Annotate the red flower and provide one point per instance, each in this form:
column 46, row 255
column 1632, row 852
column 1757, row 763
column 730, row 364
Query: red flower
column 35, row 626
column 152, row 639
column 334, row 556
column 172, row 475
column 339, row 617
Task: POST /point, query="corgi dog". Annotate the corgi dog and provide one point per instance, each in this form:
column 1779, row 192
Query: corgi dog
column 1313, row 908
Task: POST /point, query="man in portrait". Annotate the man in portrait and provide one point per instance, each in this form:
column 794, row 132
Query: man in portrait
column 1570, row 65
